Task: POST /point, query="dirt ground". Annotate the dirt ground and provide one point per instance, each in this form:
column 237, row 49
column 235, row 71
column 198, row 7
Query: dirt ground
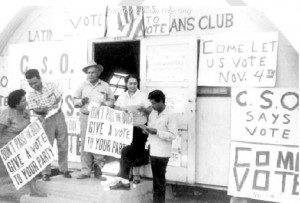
column 175, row 193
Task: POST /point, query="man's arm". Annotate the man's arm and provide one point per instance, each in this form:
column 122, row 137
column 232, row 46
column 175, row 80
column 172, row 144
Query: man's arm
column 110, row 99
column 170, row 134
column 78, row 101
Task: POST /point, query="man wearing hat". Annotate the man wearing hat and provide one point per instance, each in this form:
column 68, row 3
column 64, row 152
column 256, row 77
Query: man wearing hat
column 92, row 90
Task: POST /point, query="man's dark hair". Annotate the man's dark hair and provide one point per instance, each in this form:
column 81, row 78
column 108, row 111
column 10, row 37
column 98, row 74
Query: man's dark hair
column 132, row 76
column 31, row 73
column 157, row 96
column 15, row 97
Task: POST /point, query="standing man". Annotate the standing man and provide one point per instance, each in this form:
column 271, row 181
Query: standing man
column 46, row 97
column 162, row 129
column 92, row 90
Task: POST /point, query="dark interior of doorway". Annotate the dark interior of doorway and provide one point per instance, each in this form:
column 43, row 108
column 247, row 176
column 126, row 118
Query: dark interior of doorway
column 118, row 57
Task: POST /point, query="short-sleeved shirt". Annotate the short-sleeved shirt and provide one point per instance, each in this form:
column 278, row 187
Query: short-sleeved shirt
column 46, row 97
column 100, row 92
column 132, row 103
column 14, row 122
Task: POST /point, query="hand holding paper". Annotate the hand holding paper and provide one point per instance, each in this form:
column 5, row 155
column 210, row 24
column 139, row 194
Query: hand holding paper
column 54, row 110
column 152, row 131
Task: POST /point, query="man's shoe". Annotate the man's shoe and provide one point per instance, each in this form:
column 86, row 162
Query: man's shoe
column 66, row 174
column 46, row 177
column 136, row 182
column 102, row 178
column 98, row 173
column 136, row 179
column 82, row 176
column 120, row 186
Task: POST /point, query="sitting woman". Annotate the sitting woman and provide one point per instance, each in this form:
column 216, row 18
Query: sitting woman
column 134, row 155
column 14, row 120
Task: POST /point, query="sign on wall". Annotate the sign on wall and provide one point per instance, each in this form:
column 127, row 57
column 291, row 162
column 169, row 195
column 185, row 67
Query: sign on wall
column 263, row 172
column 167, row 67
column 176, row 102
column 156, row 20
column 27, row 154
column 265, row 144
column 265, row 115
column 108, row 131
column 247, row 60
column 68, row 22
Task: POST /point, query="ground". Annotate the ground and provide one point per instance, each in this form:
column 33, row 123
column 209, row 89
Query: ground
column 175, row 193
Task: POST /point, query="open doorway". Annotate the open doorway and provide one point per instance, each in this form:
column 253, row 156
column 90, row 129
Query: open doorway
column 118, row 60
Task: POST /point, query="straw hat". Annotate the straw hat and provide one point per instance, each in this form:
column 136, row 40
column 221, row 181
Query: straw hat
column 92, row 63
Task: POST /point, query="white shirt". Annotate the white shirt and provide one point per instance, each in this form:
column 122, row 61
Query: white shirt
column 132, row 103
column 167, row 131
column 100, row 92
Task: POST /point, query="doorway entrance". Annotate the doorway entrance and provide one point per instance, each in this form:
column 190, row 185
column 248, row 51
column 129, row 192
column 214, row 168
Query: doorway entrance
column 118, row 59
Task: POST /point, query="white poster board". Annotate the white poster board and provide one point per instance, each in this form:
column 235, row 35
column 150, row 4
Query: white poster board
column 108, row 131
column 167, row 67
column 264, row 172
column 264, row 157
column 27, row 154
column 265, row 115
column 247, row 60
column 156, row 20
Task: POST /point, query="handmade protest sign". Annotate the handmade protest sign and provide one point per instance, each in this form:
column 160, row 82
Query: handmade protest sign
column 264, row 172
column 27, row 154
column 247, row 60
column 264, row 158
column 265, row 115
column 108, row 131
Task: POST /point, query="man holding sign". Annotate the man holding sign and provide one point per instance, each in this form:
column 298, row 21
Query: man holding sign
column 97, row 91
column 45, row 101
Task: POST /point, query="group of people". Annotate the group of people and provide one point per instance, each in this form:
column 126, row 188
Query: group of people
column 154, row 127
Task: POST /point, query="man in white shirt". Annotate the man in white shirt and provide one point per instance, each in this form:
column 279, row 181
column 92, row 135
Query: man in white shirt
column 162, row 129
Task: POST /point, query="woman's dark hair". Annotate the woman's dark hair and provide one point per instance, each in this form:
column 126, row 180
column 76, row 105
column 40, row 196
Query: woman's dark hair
column 132, row 76
column 157, row 96
column 31, row 73
column 15, row 97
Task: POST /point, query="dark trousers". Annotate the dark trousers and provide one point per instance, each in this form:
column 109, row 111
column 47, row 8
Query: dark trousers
column 134, row 154
column 159, row 166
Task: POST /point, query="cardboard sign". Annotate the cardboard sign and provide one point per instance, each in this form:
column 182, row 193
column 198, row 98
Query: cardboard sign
column 264, row 172
column 265, row 144
column 238, row 60
column 108, row 131
column 167, row 67
column 27, row 154
column 156, row 20
column 265, row 115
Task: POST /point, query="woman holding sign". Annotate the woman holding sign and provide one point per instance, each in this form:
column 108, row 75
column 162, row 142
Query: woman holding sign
column 12, row 121
column 134, row 155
